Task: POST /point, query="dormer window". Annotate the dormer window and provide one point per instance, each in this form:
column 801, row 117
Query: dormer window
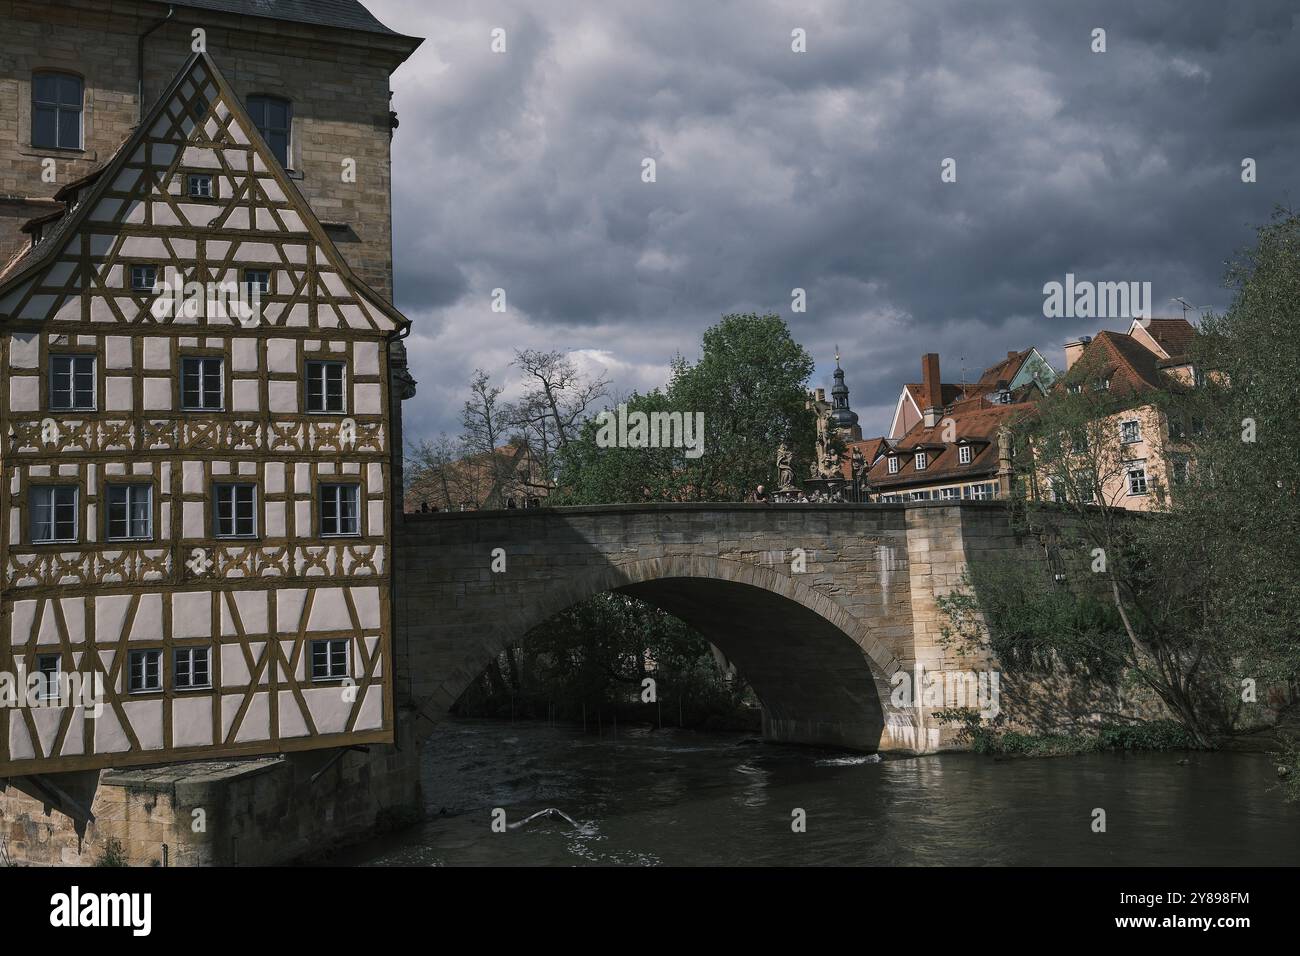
column 965, row 454
column 199, row 185
column 893, row 464
column 921, row 460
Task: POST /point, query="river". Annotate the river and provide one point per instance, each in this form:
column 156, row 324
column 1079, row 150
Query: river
column 673, row 797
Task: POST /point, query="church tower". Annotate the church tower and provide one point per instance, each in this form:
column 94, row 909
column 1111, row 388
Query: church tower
column 843, row 419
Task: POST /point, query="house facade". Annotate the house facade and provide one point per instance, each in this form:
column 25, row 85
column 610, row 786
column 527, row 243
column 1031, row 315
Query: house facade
column 953, row 442
column 1133, row 454
column 202, row 378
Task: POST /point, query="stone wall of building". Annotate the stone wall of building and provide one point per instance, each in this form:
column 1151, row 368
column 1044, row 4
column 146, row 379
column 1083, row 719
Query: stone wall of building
column 337, row 80
column 224, row 812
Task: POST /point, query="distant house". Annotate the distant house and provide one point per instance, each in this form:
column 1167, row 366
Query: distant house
column 996, row 384
column 510, row 477
column 1143, row 456
column 952, row 442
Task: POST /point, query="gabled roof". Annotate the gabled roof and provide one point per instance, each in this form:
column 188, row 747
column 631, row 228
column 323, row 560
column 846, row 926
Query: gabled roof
column 1172, row 337
column 199, row 72
column 975, row 422
column 1003, row 371
column 1120, row 360
column 947, row 393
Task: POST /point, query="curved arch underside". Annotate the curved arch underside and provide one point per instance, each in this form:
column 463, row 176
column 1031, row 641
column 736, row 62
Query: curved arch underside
column 816, row 684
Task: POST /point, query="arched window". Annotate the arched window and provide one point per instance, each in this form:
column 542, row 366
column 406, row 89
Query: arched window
column 56, row 110
column 272, row 115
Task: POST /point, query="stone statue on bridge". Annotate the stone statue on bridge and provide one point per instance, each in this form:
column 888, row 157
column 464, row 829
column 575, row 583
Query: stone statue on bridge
column 785, row 469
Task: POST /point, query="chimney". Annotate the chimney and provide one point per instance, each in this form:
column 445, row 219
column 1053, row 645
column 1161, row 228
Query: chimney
column 1074, row 349
column 931, row 389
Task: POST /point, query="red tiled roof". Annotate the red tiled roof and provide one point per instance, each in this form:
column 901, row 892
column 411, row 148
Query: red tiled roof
column 1173, row 335
column 977, row 422
column 1119, row 359
column 1003, row 371
column 949, row 393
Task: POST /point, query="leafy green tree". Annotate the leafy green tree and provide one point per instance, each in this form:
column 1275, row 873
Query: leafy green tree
column 750, row 383
column 1201, row 597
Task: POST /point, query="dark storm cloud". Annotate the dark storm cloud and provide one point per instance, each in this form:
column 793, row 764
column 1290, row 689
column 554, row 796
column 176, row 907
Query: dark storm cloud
column 820, row 170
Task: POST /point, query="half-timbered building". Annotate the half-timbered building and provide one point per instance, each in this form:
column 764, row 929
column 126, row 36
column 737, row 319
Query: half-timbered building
column 195, row 414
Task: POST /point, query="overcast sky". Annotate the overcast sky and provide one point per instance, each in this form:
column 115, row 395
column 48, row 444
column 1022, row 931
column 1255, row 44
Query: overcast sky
column 819, row 170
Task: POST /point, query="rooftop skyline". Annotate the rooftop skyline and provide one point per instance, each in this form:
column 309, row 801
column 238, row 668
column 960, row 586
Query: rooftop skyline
column 819, row 170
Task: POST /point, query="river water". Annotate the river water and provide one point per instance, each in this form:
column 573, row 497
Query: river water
column 672, row 797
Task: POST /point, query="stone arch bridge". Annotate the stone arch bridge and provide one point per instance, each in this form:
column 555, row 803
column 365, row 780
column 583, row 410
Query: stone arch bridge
column 819, row 639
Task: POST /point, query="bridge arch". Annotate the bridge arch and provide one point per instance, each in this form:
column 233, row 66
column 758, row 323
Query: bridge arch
column 819, row 671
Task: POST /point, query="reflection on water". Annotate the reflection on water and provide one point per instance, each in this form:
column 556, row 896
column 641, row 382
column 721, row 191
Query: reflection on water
column 681, row 798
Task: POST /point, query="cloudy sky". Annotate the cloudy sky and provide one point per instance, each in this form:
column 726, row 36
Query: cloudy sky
column 819, row 170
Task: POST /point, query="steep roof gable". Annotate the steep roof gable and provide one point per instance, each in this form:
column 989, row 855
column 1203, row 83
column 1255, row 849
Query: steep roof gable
column 1167, row 338
column 138, row 211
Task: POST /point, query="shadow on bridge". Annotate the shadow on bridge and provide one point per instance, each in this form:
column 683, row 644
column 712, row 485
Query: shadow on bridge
column 818, row 648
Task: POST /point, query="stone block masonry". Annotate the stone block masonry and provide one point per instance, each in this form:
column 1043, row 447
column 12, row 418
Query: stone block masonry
column 255, row 812
column 820, row 638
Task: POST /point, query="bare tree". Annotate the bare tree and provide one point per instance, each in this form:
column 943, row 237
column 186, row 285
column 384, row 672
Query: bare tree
column 431, row 472
column 487, row 424
column 557, row 399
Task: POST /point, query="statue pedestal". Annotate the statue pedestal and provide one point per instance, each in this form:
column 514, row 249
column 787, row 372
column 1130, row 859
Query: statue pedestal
column 824, row 489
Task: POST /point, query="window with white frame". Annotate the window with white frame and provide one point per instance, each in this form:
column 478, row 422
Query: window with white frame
column 72, row 383
column 1130, row 432
column 325, row 391
column 202, row 383
column 143, row 278
column 921, row 460
column 145, row 671
column 329, row 659
column 52, row 512
column 893, row 464
column 1137, row 478
column 236, row 510
column 951, row 494
column 130, row 512
column 191, row 668
column 965, row 454
column 340, row 506
column 199, row 185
